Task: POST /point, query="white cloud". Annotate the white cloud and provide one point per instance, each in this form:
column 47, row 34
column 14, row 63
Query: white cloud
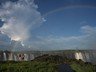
column 85, row 41
column 19, row 18
column 88, row 29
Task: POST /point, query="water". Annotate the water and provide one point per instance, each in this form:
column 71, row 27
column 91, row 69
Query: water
column 89, row 56
column 5, row 57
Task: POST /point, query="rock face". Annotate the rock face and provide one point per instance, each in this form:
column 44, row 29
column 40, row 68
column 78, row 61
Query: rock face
column 1, row 56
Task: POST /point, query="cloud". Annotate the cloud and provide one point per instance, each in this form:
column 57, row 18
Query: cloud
column 19, row 19
column 4, row 39
column 5, row 42
column 85, row 41
column 88, row 29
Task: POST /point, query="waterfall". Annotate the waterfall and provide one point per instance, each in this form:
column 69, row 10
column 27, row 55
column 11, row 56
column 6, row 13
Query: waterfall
column 10, row 56
column 15, row 58
column 79, row 55
column 5, row 57
column 25, row 57
column 31, row 57
column 85, row 56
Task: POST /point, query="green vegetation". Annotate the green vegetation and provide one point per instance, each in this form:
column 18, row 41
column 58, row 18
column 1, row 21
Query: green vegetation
column 46, row 63
column 32, row 66
column 83, row 68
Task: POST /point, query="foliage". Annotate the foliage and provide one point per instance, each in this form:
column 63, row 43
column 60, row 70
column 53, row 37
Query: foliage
column 83, row 67
column 46, row 63
column 32, row 66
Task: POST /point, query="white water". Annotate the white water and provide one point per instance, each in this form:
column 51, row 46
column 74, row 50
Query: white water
column 15, row 58
column 5, row 57
column 10, row 56
column 86, row 56
column 79, row 55
column 26, row 57
column 31, row 57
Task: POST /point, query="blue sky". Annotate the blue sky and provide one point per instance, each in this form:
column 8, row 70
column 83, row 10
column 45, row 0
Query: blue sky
column 64, row 19
column 49, row 5
column 68, row 21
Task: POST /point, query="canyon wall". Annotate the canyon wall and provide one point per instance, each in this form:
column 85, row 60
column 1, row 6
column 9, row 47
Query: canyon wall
column 86, row 56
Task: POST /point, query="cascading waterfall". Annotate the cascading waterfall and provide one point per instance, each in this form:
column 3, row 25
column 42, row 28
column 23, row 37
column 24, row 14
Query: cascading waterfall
column 15, row 58
column 26, row 57
column 31, row 57
column 79, row 55
column 5, row 57
column 87, row 56
column 10, row 56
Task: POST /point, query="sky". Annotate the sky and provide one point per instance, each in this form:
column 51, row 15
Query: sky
column 48, row 24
